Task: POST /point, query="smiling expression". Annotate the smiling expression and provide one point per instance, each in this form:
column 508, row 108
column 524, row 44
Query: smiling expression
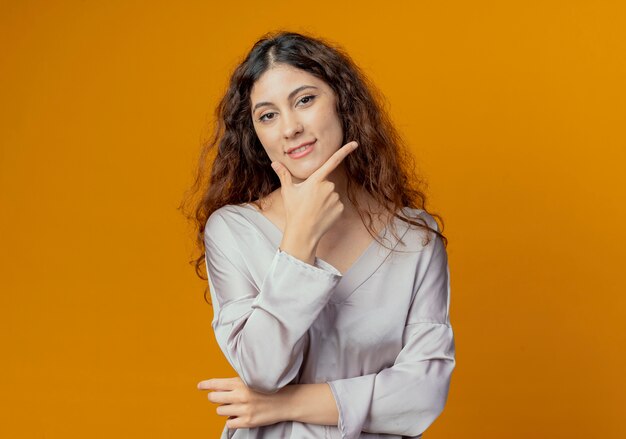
column 291, row 107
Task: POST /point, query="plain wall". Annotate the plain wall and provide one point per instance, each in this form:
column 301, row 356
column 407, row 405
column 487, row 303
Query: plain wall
column 514, row 110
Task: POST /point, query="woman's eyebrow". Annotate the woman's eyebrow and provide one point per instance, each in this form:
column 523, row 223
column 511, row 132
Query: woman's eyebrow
column 302, row 87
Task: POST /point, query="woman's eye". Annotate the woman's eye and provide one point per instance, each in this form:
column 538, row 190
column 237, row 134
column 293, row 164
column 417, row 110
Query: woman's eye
column 309, row 97
column 266, row 114
column 304, row 100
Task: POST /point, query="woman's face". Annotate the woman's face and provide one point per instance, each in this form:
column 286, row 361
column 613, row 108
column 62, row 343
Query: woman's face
column 291, row 107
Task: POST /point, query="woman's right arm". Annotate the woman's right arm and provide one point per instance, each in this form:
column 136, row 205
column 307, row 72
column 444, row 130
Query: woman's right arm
column 262, row 329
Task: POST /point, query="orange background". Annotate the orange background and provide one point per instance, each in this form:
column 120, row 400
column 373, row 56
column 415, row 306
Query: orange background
column 515, row 111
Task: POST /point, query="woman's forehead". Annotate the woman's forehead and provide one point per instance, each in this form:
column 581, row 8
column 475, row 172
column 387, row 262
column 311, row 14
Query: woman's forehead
column 277, row 82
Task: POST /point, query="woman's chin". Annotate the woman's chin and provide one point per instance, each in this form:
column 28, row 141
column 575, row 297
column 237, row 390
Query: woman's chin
column 302, row 173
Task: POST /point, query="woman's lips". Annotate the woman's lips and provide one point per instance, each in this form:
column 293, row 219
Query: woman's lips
column 308, row 149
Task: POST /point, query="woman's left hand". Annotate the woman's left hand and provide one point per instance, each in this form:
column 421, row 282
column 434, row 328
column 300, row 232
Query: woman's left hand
column 244, row 407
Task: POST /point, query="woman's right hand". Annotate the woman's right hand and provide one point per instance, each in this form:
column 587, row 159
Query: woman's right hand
column 311, row 207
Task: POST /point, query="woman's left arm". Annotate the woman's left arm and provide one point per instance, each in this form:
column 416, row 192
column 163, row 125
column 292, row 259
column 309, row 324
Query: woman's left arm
column 407, row 397
column 246, row 408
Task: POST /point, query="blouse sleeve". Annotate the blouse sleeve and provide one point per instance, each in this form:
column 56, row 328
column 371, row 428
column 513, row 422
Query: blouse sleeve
column 262, row 330
column 406, row 398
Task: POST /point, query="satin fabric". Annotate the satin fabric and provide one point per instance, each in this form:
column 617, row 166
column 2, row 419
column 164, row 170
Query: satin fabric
column 379, row 334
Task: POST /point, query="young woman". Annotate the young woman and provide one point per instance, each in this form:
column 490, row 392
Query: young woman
column 332, row 333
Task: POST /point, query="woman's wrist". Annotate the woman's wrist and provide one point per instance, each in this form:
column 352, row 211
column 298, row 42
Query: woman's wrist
column 308, row 403
column 300, row 247
column 283, row 403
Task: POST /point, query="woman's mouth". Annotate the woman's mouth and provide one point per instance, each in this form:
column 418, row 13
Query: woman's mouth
column 302, row 151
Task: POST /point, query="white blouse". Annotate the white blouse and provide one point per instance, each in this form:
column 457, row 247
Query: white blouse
column 379, row 334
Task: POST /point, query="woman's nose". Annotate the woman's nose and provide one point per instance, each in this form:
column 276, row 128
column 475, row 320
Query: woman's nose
column 291, row 126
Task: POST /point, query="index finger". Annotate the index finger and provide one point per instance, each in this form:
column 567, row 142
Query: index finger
column 217, row 384
column 334, row 160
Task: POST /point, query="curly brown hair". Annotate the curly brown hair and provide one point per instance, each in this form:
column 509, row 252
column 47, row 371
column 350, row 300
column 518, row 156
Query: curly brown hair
column 239, row 169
